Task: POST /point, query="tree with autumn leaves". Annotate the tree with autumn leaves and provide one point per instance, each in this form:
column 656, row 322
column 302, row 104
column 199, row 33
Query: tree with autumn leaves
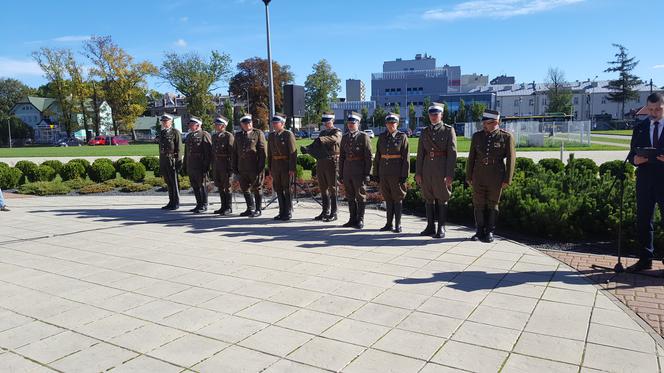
column 251, row 80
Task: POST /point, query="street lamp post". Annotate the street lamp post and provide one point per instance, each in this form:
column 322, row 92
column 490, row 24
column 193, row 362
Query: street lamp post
column 269, row 57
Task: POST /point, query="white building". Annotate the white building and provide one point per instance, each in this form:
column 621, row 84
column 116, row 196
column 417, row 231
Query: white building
column 589, row 100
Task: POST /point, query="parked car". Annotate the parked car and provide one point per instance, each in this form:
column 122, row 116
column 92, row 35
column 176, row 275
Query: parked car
column 370, row 133
column 418, row 131
column 315, row 135
column 119, row 140
column 98, row 140
column 71, row 141
column 109, row 140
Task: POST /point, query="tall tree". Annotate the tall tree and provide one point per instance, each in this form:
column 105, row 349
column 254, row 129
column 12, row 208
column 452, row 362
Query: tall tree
column 379, row 117
column 425, row 111
column 53, row 63
column 252, row 80
column 123, row 80
column 11, row 92
column 476, row 110
column 396, row 109
column 412, row 117
column 446, row 113
column 80, row 91
column 462, row 113
column 559, row 94
column 364, row 123
column 624, row 88
column 228, row 113
column 196, row 78
column 321, row 87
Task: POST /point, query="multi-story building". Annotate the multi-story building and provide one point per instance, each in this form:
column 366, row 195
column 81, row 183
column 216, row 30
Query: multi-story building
column 471, row 81
column 355, row 90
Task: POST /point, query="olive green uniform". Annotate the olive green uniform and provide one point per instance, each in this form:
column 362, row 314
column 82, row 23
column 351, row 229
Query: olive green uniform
column 391, row 165
column 222, row 167
column 326, row 150
column 282, row 160
column 436, row 160
column 249, row 164
column 170, row 160
column 197, row 160
column 490, row 164
column 355, row 168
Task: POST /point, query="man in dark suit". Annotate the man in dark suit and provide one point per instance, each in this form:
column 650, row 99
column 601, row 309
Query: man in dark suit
column 649, row 177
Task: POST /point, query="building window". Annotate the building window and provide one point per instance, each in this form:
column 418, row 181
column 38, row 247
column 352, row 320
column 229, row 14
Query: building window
column 603, row 100
column 531, row 102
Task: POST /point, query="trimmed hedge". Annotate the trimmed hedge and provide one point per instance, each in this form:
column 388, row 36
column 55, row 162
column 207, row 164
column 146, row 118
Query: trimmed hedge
column 78, row 183
column 150, row 163
column 554, row 165
column 96, row 188
column 29, row 170
column 308, row 162
column 101, row 170
column 45, row 173
column 183, row 182
column 156, row 170
column 10, row 177
column 117, row 183
column 84, row 162
column 136, row 187
column 132, row 171
column 122, row 161
column 54, row 164
column 73, row 170
column 155, row 182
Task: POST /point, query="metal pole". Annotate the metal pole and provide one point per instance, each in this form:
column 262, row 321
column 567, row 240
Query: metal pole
column 9, row 129
column 269, row 57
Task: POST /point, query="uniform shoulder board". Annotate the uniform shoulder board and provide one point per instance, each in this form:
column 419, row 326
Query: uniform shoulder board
column 447, row 125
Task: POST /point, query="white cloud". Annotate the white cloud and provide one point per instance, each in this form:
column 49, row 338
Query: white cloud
column 11, row 68
column 495, row 9
column 180, row 43
column 658, row 66
column 71, row 38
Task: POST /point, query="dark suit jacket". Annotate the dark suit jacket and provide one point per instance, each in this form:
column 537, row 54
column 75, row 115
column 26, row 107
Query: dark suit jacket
column 650, row 174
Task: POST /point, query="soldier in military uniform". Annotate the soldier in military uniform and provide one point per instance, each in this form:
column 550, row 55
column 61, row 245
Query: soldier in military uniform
column 170, row 160
column 390, row 170
column 436, row 159
column 197, row 159
column 249, row 164
column 354, row 169
column 222, row 164
column 326, row 151
column 489, row 170
column 281, row 160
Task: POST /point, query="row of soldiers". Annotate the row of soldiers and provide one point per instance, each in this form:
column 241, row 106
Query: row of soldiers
column 346, row 159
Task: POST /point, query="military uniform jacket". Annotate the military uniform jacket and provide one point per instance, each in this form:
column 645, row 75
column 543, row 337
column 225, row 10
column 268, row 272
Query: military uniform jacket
column 392, row 157
column 281, row 151
column 250, row 152
column 491, row 158
column 330, row 142
column 170, row 141
column 355, row 157
column 436, row 151
column 198, row 151
column 222, row 151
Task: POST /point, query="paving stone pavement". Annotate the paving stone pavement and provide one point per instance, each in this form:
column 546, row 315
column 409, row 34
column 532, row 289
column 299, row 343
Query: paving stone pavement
column 90, row 284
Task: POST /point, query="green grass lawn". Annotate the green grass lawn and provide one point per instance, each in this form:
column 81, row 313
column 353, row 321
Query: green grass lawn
column 463, row 145
column 614, row 132
column 625, row 141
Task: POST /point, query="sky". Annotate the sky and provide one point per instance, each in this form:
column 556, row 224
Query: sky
column 521, row 38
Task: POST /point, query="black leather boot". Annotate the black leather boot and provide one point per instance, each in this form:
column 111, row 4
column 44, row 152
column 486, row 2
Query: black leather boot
column 398, row 208
column 280, row 200
column 490, row 225
column 204, row 198
column 389, row 206
column 228, row 206
column 288, row 206
column 197, row 195
column 352, row 207
column 249, row 200
column 325, row 201
column 359, row 223
column 442, row 218
column 259, row 205
column 479, row 225
column 222, row 208
column 333, row 208
column 431, row 226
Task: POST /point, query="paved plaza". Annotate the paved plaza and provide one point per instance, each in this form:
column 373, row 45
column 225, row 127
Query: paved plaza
column 89, row 284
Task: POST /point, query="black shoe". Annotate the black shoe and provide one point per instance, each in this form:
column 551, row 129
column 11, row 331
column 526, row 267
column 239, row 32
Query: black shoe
column 479, row 235
column 331, row 217
column 174, row 207
column 352, row 206
column 321, row 216
column 360, row 215
column 167, row 207
column 256, row 214
column 488, row 237
column 387, row 227
column 431, row 226
column 440, row 233
column 359, row 224
column 196, row 209
column 639, row 266
column 397, row 229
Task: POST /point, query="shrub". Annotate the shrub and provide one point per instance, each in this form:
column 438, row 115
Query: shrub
column 44, row 188
column 104, row 160
column 527, row 166
column 84, row 162
column 615, row 168
column 183, row 183
column 155, row 182
column 29, row 169
column 132, row 171
column 413, row 165
column 118, row 164
column 136, row 187
column 54, row 164
column 10, row 177
column 150, row 163
column 307, row 161
column 554, row 165
column 95, row 188
column 460, row 169
column 157, row 170
column 45, row 173
column 101, row 171
column 118, row 183
column 3, row 165
column 582, row 165
column 72, row 170
column 299, row 171
column 77, row 183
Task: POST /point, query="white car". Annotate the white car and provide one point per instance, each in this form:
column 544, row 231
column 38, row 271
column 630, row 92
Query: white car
column 370, row 133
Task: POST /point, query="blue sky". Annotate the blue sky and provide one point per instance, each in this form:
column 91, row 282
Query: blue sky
column 514, row 37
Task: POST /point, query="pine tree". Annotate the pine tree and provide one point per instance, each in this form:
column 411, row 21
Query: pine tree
column 623, row 88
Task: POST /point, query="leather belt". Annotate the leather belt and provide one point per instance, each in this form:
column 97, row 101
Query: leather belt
column 391, row 156
column 355, row 158
column 279, row 157
column 438, row 154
